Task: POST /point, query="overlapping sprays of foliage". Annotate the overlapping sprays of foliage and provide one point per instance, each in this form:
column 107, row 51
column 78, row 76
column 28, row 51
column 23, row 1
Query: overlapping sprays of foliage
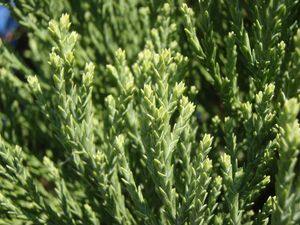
column 151, row 112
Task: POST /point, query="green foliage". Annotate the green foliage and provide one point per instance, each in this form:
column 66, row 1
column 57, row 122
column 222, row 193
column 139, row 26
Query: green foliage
column 151, row 112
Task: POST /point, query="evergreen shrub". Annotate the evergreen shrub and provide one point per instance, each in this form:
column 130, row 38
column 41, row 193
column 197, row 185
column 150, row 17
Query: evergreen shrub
column 151, row 112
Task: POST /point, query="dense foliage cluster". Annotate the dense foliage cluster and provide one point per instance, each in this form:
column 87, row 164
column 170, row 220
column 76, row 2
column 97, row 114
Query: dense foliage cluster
column 151, row 112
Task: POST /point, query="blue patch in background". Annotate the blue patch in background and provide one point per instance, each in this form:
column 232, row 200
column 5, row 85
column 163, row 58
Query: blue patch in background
column 7, row 23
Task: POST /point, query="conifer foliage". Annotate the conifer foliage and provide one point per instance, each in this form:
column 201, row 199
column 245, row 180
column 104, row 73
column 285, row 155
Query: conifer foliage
column 132, row 112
